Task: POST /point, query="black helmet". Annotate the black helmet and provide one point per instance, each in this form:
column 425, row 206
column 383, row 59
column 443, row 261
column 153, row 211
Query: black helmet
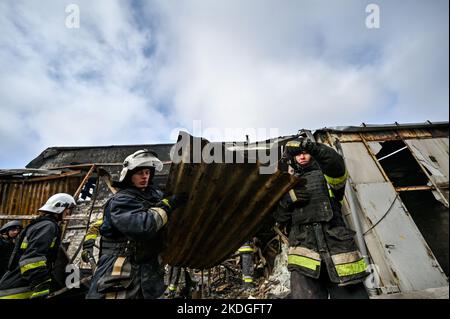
column 9, row 225
column 294, row 147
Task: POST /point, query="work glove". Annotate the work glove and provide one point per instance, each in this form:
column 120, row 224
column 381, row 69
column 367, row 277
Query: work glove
column 88, row 250
column 307, row 145
column 41, row 290
column 174, row 201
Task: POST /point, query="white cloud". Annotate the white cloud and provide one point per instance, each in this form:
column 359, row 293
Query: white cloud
column 301, row 64
column 133, row 71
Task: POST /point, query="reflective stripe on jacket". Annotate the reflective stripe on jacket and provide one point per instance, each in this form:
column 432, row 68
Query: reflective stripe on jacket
column 32, row 259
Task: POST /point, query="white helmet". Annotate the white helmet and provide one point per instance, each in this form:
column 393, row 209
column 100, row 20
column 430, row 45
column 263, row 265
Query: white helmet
column 58, row 203
column 142, row 158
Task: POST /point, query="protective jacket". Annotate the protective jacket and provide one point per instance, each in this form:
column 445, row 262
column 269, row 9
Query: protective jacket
column 31, row 263
column 317, row 231
column 6, row 249
column 131, row 240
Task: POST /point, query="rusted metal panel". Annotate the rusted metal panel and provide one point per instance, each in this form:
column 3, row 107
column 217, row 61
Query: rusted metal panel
column 387, row 134
column 227, row 203
column 346, row 137
column 24, row 197
column 416, row 133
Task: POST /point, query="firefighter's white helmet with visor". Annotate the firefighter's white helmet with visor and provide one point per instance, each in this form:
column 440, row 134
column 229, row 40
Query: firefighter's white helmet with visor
column 142, row 158
column 57, row 203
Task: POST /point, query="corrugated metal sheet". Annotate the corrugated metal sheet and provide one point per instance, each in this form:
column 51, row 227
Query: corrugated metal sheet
column 227, row 203
column 25, row 196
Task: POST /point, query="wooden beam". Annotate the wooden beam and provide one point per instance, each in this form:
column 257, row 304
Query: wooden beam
column 89, row 173
column 414, row 188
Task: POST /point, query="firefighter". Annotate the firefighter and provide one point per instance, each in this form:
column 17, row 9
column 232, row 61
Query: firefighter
column 8, row 234
column 132, row 234
column 35, row 251
column 323, row 258
column 174, row 280
column 246, row 252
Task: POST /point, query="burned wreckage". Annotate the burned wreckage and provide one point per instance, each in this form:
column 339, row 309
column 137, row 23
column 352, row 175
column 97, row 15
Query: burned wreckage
column 396, row 200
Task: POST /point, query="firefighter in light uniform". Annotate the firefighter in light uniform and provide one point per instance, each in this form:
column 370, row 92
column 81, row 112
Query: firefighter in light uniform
column 35, row 251
column 323, row 257
column 129, row 266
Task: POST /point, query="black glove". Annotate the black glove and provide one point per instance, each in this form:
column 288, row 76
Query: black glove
column 307, row 145
column 175, row 201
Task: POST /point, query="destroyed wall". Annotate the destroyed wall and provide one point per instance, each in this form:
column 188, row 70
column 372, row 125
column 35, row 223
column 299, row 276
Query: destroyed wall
column 386, row 165
column 395, row 229
column 108, row 164
column 22, row 192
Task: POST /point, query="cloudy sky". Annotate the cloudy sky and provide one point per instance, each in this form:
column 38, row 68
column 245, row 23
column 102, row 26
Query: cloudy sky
column 134, row 72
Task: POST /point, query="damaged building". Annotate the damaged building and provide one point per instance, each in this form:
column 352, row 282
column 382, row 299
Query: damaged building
column 396, row 200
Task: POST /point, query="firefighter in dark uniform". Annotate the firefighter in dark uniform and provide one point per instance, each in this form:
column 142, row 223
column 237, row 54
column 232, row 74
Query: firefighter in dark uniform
column 132, row 234
column 8, row 235
column 246, row 252
column 323, row 257
column 35, row 251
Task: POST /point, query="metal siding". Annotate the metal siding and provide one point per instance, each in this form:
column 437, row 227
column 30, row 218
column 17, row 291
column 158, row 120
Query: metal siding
column 360, row 164
column 437, row 148
column 410, row 257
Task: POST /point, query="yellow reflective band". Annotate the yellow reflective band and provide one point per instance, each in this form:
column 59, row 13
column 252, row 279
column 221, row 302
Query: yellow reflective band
column 23, row 245
column 165, row 201
column 351, row 268
column 246, row 249
column 336, row 182
column 22, row 295
column 40, row 293
column 303, row 262
column 172, row 287
column 331, row 193
column 98, row 222
column 30, row 266
column 292, row 195
column 248, row 279
column 293, row 144
column 90, row 236
column 162, row 213
column 53, row 243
